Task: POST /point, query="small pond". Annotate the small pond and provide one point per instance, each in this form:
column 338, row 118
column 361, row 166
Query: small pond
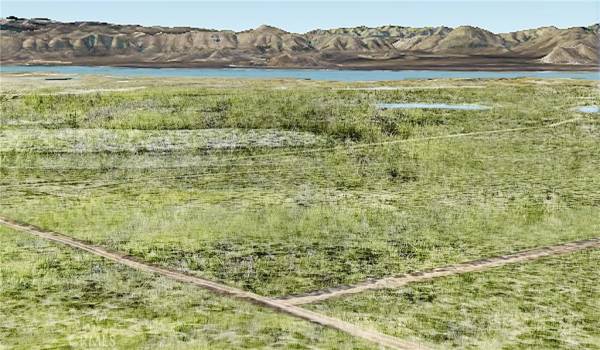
column 588, row 109
column 431, row 106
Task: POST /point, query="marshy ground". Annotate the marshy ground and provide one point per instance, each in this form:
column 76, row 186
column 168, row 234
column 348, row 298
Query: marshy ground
column 283, row 187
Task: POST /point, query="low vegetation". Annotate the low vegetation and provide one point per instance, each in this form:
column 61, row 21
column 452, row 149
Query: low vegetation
column 55, row 297
column 548, row 304
column 283, row 187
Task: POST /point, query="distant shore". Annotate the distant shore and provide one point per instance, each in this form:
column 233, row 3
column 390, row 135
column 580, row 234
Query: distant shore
column 391, row 65
column 302, row 73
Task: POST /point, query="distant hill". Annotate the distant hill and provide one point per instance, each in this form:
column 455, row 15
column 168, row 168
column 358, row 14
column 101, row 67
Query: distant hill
column 43, row 41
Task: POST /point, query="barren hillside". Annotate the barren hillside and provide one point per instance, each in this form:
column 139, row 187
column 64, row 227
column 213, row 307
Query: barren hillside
column 43, row 41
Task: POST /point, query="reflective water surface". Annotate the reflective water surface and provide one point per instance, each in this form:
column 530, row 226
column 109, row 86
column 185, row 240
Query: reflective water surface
column 314, row 74
column 430, row 106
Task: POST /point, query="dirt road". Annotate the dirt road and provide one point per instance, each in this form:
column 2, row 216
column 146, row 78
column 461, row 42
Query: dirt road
column 368, row 334
column 470, row 266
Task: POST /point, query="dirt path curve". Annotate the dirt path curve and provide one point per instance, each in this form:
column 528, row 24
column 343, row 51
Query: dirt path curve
column 470, row 266
column 368, row 334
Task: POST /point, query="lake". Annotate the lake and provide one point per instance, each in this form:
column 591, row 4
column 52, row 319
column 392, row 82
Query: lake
column 314, row 74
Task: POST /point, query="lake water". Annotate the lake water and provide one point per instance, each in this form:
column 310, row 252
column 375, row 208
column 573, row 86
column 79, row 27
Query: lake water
column 430, row 106
column 588, row 109
column 314, row 74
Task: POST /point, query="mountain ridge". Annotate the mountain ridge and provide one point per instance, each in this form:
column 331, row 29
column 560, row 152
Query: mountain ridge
column 39, row 40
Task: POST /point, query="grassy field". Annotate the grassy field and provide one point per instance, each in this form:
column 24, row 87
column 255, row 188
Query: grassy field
column 55, row 297
column 282, row 187
column 548, row 304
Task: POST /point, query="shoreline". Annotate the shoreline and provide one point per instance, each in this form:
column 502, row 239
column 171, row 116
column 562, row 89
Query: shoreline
column 478, row 67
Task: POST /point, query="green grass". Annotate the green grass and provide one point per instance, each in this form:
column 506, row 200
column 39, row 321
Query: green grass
column 552, row 303
column 56, row 297
column 289, row 220
column 138, row 141
column 276, row 187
